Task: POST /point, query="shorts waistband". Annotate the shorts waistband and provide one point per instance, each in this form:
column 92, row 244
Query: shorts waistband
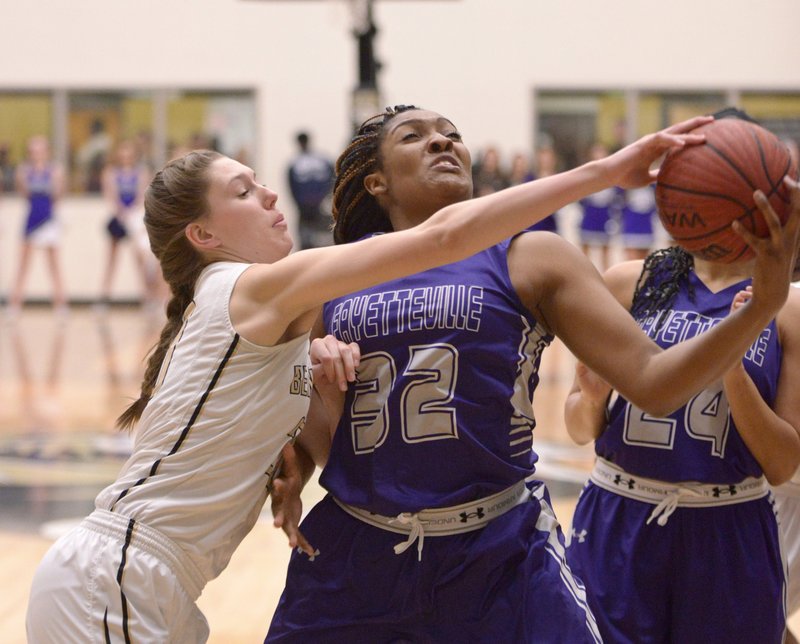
column 443, row 521
column 669, row 496
column 152, row 541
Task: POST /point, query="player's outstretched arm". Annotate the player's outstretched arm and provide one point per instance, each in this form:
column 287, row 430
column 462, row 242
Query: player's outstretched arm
column 304, row 280
column 571, row 297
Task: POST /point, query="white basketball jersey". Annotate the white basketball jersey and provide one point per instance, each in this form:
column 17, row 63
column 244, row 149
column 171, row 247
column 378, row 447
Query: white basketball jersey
column 209, row 438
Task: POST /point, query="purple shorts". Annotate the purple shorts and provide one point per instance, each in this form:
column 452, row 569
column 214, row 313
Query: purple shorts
column 711, row 574
column 506, row 582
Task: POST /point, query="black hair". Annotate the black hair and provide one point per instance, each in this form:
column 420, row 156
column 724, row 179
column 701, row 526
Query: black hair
column 734, row 113
column 356, row 213
column 663, row 272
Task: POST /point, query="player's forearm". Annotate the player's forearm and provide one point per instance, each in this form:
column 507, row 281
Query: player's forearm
column 774, row 442
column 316, row 435
column 669, row 378
column 585, row 420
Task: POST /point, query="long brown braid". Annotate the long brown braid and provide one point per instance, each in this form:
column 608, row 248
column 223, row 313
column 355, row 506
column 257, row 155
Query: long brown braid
column 663, row 273
column 175, row 198
column 356, row 213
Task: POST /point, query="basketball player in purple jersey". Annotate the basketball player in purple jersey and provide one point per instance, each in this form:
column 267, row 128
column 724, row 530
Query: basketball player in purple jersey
column 675, row 534
column 430, row 531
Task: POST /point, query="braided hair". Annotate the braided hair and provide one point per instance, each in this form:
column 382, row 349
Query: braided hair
column 356, row 213
column 663, row 273
column 175, row 197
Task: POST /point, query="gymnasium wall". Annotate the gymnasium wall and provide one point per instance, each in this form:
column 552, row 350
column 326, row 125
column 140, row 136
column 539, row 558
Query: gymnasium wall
column 477, row 61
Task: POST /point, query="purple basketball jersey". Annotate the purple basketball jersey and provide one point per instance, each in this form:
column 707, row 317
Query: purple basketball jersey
column 699, row 441
column 458, row 354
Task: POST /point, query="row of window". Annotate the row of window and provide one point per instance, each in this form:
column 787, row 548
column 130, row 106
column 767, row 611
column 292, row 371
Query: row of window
column 572, row 121
column 84, row 127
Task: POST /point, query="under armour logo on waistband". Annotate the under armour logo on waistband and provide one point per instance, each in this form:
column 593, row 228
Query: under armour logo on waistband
column 719, row 491
column 618, row 480
column 466, row 516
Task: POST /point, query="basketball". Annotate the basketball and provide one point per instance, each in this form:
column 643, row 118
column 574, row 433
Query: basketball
column 702, row 189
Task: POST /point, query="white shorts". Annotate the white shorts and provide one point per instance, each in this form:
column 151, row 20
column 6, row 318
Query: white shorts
column 787, row 499
column 47, row 235
column 75, row 595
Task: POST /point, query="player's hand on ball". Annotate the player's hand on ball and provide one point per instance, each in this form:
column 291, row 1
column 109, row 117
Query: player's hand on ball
column 776, row 254
column 631, row 166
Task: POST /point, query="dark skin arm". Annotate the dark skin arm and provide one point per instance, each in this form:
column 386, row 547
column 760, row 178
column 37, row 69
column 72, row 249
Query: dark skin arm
column 562, row 289
column 287, row 508
column 334, row 363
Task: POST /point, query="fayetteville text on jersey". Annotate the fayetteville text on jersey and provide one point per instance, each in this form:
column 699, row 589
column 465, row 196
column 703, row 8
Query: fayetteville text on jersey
column 682, row 325
column 448, row 306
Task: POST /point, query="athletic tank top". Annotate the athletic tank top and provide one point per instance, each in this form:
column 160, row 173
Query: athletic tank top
column 206, row 444
column 639, row 210
column 40, row 197
column 127, row 185
column 699, row 441
column 441, row 412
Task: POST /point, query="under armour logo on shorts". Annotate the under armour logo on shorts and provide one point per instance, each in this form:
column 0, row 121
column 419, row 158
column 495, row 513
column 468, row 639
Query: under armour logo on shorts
column 618, row 480
column 581, row 536
column 720, row 491
column 466, row 516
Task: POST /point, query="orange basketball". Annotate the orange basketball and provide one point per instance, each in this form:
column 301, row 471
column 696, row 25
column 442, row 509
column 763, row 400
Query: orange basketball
column 702, row 189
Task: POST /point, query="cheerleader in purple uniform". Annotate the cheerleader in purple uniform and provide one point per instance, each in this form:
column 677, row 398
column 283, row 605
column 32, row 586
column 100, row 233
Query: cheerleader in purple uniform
column 41, row 181
column 433, row 529
column 636, row 227
column 599, row 216
column 124, row 182
column 546, row 164
column 675, row 534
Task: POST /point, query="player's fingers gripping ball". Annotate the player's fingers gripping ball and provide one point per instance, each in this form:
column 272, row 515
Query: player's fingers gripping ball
column 702, row 189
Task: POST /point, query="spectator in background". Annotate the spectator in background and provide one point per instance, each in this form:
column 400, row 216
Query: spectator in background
column 487, row 176
column 545, row 166
column 311, row 177
column 92, row 156
column 520, row 169
column 6, row 169
column 41, row 181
